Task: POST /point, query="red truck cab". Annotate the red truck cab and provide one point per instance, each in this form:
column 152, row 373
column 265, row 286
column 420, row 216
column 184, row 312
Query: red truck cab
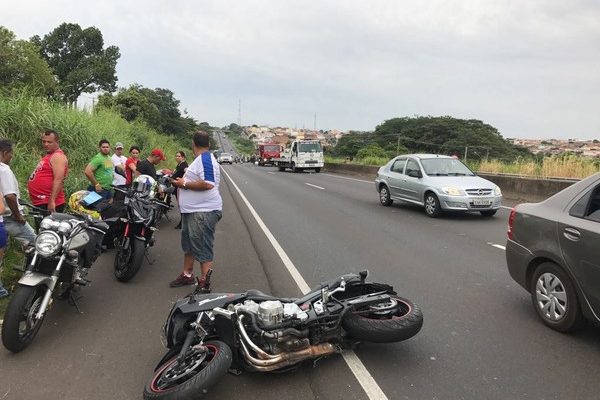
column 266, row 152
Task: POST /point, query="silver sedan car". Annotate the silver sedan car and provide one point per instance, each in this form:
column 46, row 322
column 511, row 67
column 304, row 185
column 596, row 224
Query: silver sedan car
column 439, row 183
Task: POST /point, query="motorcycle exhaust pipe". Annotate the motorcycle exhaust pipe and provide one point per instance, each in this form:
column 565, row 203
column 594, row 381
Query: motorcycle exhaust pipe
column 287, row 359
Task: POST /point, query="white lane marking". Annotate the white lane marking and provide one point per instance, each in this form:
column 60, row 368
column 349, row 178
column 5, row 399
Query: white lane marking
column 270, row 172
column 498, row 246
column 350, row 179
column 359, row 370
column 315, row 186
column 508, row 208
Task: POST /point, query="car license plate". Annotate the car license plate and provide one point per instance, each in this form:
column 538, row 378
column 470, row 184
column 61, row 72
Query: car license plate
column 482, row 202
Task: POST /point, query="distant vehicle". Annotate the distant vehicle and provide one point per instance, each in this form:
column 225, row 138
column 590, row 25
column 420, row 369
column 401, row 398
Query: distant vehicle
column 439, row 183
column 266, row 152
column 553, row 251
column 225, row 158
column 301, row 155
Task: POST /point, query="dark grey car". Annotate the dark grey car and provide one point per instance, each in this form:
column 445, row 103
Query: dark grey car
column 553, row 251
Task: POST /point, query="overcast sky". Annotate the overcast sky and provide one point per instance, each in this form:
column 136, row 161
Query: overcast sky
column 531, row 68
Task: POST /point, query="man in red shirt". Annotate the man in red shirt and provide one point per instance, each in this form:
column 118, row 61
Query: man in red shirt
column 46, row 183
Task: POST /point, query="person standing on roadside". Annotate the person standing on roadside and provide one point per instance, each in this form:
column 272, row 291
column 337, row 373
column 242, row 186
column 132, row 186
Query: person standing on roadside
column 46, row 182
column 14, row 221
column 180, row 169
column 3, row 243
column 201, row 207
column 131, row 164
column 119, row 177
column 148, row 166
column 100, row 171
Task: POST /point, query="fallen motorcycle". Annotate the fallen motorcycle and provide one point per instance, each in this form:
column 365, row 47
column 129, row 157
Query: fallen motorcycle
column 210, row 334
column 65, row 248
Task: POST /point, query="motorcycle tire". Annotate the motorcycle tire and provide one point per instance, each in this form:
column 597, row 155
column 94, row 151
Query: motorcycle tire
column 192, row 384
column 133, row 264
column 21, row 309
column 385, row 323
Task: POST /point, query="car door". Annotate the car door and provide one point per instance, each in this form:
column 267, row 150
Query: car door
column 396, row 177
column 579, row 238
column 412, row 186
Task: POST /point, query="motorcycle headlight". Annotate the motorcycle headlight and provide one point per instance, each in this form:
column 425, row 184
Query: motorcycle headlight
column 453, row 191
column 497, row 191
column 47, row 243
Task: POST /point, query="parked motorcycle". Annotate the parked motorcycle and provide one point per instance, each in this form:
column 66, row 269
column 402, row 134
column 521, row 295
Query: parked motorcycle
column 65, row 248
column 210, row 334
column 164, row 192
column 139, row 227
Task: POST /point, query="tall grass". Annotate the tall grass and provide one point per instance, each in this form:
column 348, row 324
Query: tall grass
column 22, row 119
column 568, row 166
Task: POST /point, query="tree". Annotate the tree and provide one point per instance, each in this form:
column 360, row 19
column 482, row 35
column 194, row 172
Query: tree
column 78, row 60
column 21, row 65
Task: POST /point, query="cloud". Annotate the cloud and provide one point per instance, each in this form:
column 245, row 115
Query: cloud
column 528, row 68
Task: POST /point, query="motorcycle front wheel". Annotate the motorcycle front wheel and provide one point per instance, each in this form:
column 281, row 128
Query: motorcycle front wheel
column 20, row 324
column 392, row 320
column 192, row 378
column 129, row 259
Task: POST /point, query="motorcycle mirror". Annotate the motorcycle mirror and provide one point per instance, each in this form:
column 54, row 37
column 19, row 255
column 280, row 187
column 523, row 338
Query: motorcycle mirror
column 363, row 275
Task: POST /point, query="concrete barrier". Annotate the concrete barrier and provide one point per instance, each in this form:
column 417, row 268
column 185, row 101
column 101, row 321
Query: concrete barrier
column 514, row 187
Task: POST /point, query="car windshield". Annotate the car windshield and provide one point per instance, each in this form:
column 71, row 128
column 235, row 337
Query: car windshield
column 308, row 147
column 225, row 155
column 271, row 148
column 445, row 167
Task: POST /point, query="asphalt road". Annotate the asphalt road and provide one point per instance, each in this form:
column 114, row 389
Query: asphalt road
column 481, row 338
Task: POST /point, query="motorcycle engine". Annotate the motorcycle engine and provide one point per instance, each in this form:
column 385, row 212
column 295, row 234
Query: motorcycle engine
column 270, row 313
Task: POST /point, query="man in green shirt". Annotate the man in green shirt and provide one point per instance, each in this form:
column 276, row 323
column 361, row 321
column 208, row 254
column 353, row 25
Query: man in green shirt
column 100, row 171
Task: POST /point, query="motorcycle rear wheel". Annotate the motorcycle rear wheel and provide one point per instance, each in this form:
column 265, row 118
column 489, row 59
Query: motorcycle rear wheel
column 193, row 378
column 20, row 325
column 129, row 261
column 393, row 321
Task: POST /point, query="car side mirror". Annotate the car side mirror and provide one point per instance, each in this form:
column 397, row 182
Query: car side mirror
column 415, row 174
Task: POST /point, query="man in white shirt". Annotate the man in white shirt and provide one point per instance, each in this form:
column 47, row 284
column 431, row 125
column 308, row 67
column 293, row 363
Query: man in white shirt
column 201, row 208
column 14, row 222
column 119, row 160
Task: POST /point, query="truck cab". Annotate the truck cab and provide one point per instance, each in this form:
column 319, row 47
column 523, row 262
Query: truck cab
column 267, row 152
column 301, row 155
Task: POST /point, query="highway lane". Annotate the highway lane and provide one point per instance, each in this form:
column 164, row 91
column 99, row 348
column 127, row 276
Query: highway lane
column 481, row 338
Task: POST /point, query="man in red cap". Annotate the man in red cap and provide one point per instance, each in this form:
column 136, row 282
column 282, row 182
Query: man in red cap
column 147, row 166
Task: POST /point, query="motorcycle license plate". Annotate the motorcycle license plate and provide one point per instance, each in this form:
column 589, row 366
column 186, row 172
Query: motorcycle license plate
column 482, row 202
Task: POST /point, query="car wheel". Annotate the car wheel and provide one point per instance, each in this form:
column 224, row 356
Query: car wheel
column 384, row 196
column 555, row 299
column 432, row 205
column 488, row 213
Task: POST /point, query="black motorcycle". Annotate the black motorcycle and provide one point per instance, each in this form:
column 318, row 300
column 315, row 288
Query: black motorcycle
column 210, row 334
column 139, row 225
column 65, row 248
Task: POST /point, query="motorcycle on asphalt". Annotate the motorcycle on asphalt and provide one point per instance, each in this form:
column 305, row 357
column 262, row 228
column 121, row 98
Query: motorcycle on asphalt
column 56, row 264
column 142, row 212
column 208, row 335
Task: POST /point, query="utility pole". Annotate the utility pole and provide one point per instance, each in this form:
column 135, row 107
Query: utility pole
column 240, row 112
column 466, row 151
column 398, row 146
column 315, row 125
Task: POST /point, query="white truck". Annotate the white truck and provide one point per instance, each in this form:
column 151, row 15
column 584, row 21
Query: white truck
column 301, row 155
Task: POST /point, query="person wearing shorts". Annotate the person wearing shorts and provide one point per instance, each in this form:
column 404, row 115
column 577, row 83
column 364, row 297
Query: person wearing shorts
column 201, row 208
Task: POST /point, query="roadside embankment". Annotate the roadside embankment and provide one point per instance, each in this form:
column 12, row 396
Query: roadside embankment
column 514, row 187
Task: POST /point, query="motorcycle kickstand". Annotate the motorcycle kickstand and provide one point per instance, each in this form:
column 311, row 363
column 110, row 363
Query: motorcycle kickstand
column 150, row 262
column 73, row 302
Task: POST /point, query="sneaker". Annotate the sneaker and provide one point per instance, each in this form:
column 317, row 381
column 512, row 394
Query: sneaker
column 183, row 280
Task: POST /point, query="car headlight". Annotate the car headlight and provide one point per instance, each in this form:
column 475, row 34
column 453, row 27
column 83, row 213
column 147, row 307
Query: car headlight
column 265, row 159
column 47, row 243
column 497, row 191
column 453, row 191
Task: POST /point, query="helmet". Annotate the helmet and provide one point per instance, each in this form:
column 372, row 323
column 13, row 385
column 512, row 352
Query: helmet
column 75, row 204
column 145, row 185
